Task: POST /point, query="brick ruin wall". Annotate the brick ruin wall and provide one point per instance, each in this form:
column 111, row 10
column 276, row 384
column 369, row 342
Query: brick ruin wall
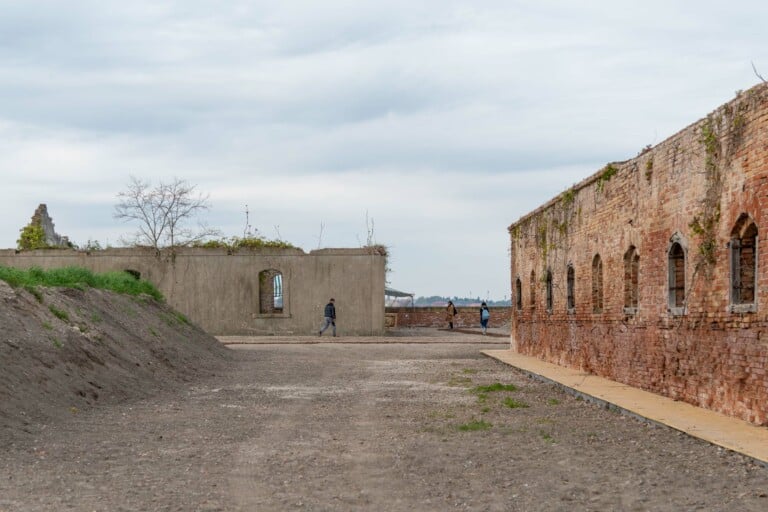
column 686, row 340
column 436, row 317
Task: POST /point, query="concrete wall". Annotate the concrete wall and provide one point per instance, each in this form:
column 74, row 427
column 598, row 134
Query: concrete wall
column 692, row 189
column 220, row 291
column 435, row 316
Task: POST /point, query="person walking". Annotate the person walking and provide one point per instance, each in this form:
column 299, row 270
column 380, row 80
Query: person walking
column 485, row 315
column 330, row 317
column 450, row 314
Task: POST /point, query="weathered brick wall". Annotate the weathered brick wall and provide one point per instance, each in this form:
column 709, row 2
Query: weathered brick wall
column 436, row 316
column 691, row 189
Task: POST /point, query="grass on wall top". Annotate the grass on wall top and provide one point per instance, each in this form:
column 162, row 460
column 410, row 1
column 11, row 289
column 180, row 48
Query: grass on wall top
column 77, row 277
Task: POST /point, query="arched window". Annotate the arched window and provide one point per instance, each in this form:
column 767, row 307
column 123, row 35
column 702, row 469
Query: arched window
column 533, row 289
column 744, row 263
column 571, row 288
column 549, row 290
column 518, row 294
column 676, row 277
column 597, row 284
column 270, row 292
column 631, row 282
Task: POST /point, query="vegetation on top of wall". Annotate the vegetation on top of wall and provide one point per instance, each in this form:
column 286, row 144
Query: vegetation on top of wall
column 608, row 172
column 80, row 278
column 248, row 242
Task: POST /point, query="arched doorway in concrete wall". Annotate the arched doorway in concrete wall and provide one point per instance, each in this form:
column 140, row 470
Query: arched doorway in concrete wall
column 271, row 298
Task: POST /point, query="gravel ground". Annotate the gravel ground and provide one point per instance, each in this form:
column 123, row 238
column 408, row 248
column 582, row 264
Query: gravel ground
column 369, row 426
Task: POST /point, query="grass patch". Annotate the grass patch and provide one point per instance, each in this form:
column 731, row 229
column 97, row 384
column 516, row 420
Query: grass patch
column 485, row 410
column 56, row 343
column 460, row 381
column 469, row 371
column 96, row 318
column 482, row 397
column 515, row 404
column 78, row 277
column 181, row 318
column 546, row 436
column 153, row 332
column 492, row 388
column 37, row 294
column 553, row 401
column 58, row 313
column 474, row 425
column 48, row 326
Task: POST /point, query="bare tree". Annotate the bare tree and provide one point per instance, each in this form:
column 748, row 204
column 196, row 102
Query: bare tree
column 163, row 212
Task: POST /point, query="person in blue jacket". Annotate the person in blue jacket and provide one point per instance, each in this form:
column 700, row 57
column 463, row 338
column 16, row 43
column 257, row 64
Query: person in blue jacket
column 485, row 315
column 330, row 317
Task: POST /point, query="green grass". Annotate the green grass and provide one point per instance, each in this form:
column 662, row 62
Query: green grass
column 48, row 326
column 37, row 294
column 515, row 404
column 77, row 277
column 460, row 381
column 474, row 425
column 546, row 436
column 56, row 343
column 492, row 388
column 470, row 371
column 553, row 401
column 58, row 313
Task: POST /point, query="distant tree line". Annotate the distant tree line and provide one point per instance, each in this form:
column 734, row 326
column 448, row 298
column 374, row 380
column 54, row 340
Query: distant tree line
column 438, row 300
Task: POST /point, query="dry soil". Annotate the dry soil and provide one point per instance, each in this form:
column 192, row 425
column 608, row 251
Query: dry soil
column 387, row 426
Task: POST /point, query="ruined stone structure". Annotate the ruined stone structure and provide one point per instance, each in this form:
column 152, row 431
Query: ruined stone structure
column 247, row 292
column 650, row 272
column 42, row 219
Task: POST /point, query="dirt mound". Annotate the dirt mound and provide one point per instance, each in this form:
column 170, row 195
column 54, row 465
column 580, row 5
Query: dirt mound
column 63, row 350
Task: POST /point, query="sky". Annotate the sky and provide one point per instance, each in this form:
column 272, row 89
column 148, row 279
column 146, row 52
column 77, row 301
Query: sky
column 433, row 124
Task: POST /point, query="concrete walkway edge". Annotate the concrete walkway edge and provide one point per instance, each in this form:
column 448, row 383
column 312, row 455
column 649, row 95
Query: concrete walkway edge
column 726, row 432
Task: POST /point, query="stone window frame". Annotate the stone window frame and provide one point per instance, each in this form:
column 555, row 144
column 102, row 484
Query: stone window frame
column 548, row 291
column 741, row 230
column 673, row 306
column 631, row 281
column 570, row 291
column 598, row 297
column 518, row 294
column 269, row 310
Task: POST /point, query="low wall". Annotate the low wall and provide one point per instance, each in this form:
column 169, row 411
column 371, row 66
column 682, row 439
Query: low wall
column 435, row 317
column 221, row 290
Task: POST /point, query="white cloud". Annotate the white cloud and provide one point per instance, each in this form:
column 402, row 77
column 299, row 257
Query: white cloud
column 446, row 120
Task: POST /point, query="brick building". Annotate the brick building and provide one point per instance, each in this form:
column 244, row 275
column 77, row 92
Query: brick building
column 650, row 271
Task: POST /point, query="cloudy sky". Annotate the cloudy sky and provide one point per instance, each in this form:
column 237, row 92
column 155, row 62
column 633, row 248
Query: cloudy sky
column 443, row 121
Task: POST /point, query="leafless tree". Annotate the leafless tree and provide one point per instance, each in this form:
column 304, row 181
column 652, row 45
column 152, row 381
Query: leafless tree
column 163, row 212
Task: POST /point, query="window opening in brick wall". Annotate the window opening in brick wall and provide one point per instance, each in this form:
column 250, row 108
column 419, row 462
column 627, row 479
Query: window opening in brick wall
column 549, row 291
column 518, row 294
column 571, row 288
column 533, row 289
column 676, row 276
column 743, row 249
column 597, row 284
column 631, row 280
column 270, row 292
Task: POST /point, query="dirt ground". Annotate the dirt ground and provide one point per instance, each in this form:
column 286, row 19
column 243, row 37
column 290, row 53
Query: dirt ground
column 387, row 426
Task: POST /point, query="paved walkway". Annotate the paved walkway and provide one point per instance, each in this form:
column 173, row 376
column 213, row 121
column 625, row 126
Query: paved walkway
column 730, row 433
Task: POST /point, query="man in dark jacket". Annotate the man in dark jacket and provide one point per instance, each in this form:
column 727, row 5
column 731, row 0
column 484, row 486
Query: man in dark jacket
column 330, row 317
